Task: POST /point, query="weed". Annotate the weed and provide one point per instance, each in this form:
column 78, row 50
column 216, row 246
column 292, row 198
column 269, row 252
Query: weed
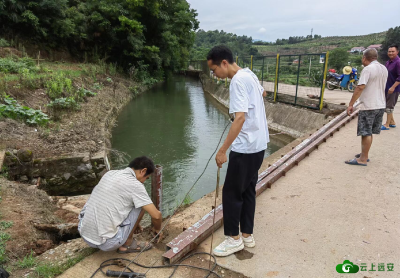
column 134, row 90
column 4, row 236
column 188, row 200
column 28, row 261
column 58, row 85
column 97, row 86
column 5, row 225
column 3, row 173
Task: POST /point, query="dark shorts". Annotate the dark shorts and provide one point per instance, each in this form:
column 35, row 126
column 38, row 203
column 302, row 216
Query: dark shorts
column 391, row 100
column 370, row 122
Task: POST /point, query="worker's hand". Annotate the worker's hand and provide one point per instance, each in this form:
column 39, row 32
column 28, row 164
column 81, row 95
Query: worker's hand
column 160, row 237
column 391, row 90
column 138, row 230
column 350, row 110
column 221, row 158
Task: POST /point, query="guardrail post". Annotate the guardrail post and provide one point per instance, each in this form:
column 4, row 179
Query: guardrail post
column 262, row 72
column 298, row 77
column 321, row 97
column 156, row 187
column 276, row 76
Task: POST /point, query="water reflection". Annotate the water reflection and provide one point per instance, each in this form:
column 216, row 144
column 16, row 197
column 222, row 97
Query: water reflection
column 179, row 127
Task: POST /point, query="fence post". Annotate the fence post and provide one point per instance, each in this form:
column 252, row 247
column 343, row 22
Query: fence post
column 297, row 83
column 321, row 98
column 276, row 76
column 251, row 64
column 156, row 187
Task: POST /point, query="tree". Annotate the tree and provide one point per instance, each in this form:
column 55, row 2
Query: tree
column 153, row 35
column 392, row 38
column 338, row 58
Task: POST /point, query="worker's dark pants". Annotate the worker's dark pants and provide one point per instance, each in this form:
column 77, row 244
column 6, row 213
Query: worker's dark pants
column 239, row 192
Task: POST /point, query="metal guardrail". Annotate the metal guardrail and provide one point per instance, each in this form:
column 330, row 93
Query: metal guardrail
column 288, row 77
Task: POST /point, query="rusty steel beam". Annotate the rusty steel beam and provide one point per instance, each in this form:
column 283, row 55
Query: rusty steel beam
column 193, row 236
column 303, row 144
column 156, row 187
column 295, row 159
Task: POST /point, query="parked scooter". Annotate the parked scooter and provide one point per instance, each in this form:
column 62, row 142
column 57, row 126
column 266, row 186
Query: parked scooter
column 348, row 80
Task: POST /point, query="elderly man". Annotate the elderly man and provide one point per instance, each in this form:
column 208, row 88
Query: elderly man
column 115, row 208
column 392, row 86
column 371, row 91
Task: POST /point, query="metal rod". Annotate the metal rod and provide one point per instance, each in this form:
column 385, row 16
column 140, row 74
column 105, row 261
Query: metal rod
column 156, row 187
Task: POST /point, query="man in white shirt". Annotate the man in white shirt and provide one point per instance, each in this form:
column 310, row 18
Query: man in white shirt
column 371, row 91
column 248, row 137
column 115, row 208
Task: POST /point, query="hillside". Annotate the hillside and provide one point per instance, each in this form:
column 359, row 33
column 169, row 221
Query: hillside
column 322, row 44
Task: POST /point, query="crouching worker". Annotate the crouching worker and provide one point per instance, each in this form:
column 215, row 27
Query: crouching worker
column 115, row 208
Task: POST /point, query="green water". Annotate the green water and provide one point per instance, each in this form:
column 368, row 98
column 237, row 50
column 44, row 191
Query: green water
column 178, row 126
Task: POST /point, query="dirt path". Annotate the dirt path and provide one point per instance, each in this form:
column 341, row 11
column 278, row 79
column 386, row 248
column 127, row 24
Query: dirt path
column 324, row 212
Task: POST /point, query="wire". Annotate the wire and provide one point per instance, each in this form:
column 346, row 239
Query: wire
column 169, row 219
column 175, row 266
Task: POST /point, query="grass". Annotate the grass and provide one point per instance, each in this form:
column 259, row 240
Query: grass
column 4, row 237
column 49, row 270
column 28, row 261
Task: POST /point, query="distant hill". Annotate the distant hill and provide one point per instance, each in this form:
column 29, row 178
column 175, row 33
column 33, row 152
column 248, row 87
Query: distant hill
column 322, row 44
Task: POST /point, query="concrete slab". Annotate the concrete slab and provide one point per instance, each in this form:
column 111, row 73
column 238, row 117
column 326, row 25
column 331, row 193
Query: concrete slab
column 325, row 211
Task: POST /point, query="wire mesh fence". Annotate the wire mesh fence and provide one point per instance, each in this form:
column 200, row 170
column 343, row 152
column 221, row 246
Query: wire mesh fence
column 291, row 78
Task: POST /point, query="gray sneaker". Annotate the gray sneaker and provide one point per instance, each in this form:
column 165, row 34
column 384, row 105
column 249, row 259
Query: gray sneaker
column 228, row 246
column 249, row 241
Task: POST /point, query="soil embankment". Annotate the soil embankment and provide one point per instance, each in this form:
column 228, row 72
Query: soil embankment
column 64, row 156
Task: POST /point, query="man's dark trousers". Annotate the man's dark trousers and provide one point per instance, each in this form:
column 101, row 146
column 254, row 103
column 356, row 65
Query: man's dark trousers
column 239, row 192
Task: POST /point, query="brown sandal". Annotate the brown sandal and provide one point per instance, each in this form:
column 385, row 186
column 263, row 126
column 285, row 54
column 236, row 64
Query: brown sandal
column 136, row 247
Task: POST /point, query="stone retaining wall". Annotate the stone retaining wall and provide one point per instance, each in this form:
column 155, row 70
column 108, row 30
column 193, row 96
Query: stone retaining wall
column 67, row 174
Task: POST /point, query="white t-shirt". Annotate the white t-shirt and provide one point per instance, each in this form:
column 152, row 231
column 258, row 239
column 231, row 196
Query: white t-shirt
column 245, row 95
column 374, row 77
column 117, row 193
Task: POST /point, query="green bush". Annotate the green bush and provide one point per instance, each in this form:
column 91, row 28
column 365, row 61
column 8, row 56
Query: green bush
column 58, row 86
column 64, row 103
column 15, row 65
column 11, row 109
column 4, row 43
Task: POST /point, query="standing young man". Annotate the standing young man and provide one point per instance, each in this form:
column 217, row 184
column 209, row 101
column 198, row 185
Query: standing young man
column 371, row 91
column 392, row 90
column 248, row 137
